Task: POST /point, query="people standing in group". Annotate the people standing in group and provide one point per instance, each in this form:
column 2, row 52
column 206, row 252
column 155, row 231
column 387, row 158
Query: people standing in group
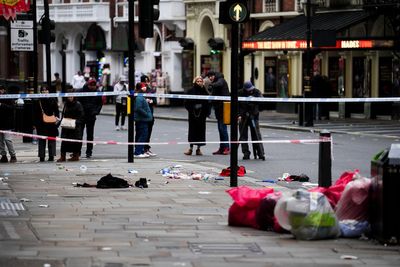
column 219, row 87
column 48, row 106
column 73, row 109
column 142, row 117
column 7, row 124
column 249, row 118
column 120, row 103
column 92, row 106
column 78, row 81
column 198, row 111
column 152, row 101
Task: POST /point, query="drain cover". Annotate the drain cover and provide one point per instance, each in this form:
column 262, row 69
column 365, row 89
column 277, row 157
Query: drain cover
column 225, row 248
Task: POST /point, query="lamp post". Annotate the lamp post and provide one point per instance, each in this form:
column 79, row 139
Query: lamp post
column 307, row 90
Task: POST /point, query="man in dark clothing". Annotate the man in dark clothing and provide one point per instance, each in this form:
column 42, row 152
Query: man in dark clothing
column 92, row 106
column 249, row 118
column 219, row 87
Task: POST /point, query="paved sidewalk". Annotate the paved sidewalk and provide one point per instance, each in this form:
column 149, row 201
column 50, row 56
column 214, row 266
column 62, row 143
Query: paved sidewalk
column 174, row 222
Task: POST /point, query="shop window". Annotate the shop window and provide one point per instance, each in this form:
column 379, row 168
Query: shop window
column 385, row 77
column 358, row 76
column 283, row 76
column 270, row 76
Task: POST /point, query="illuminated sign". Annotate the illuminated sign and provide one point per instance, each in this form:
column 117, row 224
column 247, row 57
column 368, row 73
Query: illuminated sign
column 302, row 44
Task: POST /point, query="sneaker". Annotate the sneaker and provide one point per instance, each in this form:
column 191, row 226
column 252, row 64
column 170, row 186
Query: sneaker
column 226, row 151
column 141, row 156
column 51, row 158
column 13, row 159
column 123, row 128
column 151, row 154
column 246, row 156
column 117, row 128
column 4, row 158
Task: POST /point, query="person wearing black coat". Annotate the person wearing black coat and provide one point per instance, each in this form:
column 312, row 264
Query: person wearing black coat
column 249, row 118
column 219, row 87
column 6, row 123
column 92, row 106
column 73, row 109
column 198, row 110
column 49, row 106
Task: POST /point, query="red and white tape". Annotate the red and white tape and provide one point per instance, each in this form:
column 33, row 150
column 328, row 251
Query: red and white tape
column 112, row 142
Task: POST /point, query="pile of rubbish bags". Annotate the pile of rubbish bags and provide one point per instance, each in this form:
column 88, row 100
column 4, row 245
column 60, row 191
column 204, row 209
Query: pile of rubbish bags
column 316, row 213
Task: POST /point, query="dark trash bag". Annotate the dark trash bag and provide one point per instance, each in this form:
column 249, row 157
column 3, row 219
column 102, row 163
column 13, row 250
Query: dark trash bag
column 110, row 181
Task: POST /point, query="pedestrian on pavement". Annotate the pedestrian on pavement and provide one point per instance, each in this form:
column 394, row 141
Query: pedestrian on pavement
column 73, row 109
column 120, row 103
column 48, row 106
column 92, row 106
column 106, row 82
column 78, row 81
column 142, row 116
column 198, row 110
column 7, row 124
column 57, row 83
column 152, row 101
column 219, row 87
column 249, row 118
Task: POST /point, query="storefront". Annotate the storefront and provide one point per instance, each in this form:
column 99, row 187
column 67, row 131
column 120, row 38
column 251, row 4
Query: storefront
column 360, row 64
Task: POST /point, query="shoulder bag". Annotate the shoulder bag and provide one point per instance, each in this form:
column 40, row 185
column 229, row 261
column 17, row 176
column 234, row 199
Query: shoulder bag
column 67, row 123
column 47, row 118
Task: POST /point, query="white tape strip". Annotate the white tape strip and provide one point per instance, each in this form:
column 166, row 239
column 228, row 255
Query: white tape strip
column 112, row 142
column 210, row 98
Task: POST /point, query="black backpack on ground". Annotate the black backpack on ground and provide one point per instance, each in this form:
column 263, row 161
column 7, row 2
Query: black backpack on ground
column 110, row 181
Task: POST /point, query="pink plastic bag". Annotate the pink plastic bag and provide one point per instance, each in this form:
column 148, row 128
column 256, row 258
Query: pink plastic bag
column 246, row 201
column 353, row 205
column 334, row 192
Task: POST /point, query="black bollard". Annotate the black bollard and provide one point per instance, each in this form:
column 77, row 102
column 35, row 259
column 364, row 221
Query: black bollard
column 325, row 161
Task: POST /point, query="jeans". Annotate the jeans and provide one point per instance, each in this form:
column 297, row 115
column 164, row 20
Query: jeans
column 5, row 140
column 141, row 128
column 223, row 135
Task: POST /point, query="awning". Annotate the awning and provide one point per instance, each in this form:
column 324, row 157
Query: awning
column 291, row 34
column 296, row 28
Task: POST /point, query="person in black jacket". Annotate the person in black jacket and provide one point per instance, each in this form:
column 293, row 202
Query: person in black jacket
column 219, row 87
column 73, row 110
column 49, row 106
column 249, row 118
column 198, row 110
column 6, row 123
column 92, row 106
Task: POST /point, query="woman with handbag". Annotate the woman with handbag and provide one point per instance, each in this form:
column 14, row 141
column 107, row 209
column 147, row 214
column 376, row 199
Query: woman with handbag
column 45, row 121
column 73, row 114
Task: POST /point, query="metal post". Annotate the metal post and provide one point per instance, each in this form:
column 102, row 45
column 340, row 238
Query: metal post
column 35, row 48
column 131, row 52
column 308, row 107
column 47, row 46
column 325, row 160
column 234, row 105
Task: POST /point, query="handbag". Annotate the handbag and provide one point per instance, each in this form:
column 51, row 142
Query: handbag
column 47, row 118
column 68, row 123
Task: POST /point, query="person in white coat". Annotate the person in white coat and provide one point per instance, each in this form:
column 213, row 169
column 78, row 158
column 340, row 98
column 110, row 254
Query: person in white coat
column 120, row 103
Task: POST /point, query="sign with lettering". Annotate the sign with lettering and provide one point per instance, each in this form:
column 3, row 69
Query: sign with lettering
column 21, row 35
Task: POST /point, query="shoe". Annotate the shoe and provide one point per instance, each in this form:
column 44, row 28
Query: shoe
column 188, row 152
column 51, row 158
column 13, row 159
column 142, row 183
column 141, row 156
column 198, row 152
column 226, row 151
column 4, row 158
column 151, row 154
column 88, row 156
column 261, row 157
column 75, row 157
column 218, row 152
column 62, row 158
column 41, row 159
column 117, row 128
column 123, row 128
column 246, row 156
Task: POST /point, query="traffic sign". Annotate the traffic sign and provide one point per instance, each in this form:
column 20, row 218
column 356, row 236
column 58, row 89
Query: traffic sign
column 21, row 39
column 233, row 11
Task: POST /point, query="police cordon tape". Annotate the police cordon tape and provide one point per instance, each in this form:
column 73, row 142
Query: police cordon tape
column 112, row 142
column 205, row 97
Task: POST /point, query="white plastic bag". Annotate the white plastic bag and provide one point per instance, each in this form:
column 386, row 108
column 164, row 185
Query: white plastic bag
column 308, row 215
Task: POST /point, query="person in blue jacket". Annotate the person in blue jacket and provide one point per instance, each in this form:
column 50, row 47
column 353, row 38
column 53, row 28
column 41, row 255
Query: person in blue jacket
column 142, row 117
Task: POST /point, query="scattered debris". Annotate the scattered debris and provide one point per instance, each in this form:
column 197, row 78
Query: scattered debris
column 133, row 171
column 43, row 206
column 348, row 257
column 25, row 200
column 83, row 168
column 204, row 192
